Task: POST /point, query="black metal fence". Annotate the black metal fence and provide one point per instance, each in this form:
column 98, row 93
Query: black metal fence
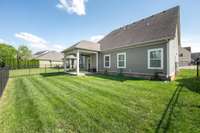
column 29, row 70
column 198, row 67
column 4, row 75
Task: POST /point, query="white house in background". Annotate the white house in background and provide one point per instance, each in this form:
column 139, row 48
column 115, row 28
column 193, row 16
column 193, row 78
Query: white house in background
column 49, row 58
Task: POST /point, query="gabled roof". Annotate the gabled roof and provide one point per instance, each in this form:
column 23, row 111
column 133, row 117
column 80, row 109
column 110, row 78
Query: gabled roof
column 40, row 53
column 160, row 26
column 86, row 45
column 187, row 48
column 50, row 55
column 183, row 50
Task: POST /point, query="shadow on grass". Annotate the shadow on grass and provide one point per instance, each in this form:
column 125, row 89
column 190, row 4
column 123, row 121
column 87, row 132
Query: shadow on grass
column 165, row 121
column 192, row 84
column 52, row 74
column 120, row 78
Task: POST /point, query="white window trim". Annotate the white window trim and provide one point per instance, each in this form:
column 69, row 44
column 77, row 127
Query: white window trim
column 107, row 55
column 156, row 49
column 124, row 60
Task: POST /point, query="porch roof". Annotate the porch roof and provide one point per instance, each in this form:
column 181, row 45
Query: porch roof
column 70, row 57
column 85, row 45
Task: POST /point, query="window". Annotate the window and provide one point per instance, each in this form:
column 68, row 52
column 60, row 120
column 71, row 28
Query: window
column 155, row 58
column 181, row 55
column 121, row 60
column 107, row 61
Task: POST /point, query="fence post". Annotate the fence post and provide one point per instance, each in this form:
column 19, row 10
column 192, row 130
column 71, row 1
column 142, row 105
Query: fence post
column 1, row 87
column 3, row 79
column 29, row 70
column 197, row 68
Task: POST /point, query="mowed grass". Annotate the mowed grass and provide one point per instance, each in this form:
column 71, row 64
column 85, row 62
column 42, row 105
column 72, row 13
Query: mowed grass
column 61, row 103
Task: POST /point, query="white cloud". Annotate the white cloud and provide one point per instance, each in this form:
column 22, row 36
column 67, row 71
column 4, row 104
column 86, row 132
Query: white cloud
column 192, row 41
column 2, row 41
column 37, row 43
column 73, row 6
column 5, row 42
column 96, row 38
column 30, row 37
column 58, row 47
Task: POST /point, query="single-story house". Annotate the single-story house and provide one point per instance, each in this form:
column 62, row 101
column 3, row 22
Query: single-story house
column 143, row 48
column 185, row 56
column 49, row 58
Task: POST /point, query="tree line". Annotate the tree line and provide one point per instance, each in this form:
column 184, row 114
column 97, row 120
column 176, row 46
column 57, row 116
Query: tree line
column 16, row 58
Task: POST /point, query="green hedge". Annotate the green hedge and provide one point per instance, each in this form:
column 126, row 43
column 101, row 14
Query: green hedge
column 20, row 64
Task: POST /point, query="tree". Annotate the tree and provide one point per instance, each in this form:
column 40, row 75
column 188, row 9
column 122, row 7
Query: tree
column 6, row 52
column 24, row 53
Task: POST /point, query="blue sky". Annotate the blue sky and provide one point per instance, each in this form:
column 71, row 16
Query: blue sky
column 57, row 24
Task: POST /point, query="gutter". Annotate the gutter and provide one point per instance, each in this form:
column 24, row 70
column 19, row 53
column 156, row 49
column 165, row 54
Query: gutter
column 141, row 44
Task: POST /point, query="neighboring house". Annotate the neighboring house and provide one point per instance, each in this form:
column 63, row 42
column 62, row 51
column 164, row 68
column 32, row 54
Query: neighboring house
column 143, row 48
column 184, row 56
column 195, row 56
column 49, row 58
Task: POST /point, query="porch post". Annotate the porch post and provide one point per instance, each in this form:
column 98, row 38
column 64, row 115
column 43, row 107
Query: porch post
column 77, row 62
column 70, row 62
column 97, row 62
column 65, row 65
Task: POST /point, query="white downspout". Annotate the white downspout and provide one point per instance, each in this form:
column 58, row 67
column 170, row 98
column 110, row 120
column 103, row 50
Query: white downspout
column 77, row 62
column 97, row 62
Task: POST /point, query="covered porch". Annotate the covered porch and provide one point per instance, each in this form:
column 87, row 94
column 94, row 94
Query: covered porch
column 82, row 58
column 80, row 62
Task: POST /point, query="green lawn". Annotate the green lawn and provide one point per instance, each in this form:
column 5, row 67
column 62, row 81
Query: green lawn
column 98, row 104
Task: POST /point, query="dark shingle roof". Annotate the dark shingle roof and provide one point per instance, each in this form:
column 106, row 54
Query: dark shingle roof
column 187, row 48
column 159, row 26
column 40, row 52
column 195, row 56
column 87, row 45
column 51, row 55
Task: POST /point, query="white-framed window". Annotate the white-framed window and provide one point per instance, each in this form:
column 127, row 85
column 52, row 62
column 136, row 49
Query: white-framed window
column 107, row 61
column 155, row 58
column 121, row 60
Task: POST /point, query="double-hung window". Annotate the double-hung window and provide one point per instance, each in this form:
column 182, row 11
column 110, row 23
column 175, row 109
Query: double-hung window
column 155, row 58
column 121, row 60
column 107, row 61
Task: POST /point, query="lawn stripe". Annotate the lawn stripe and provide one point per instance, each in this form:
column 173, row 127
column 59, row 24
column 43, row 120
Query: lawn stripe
column 142, row 107
column 111, row 104
column 7, row 117
column 47, row 115
column 66, row 106
column 25, row 109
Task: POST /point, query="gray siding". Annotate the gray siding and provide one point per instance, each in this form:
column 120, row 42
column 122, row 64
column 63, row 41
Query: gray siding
column 136, row 60
column 93, row 60
column 173, row 56
column 184, row 57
